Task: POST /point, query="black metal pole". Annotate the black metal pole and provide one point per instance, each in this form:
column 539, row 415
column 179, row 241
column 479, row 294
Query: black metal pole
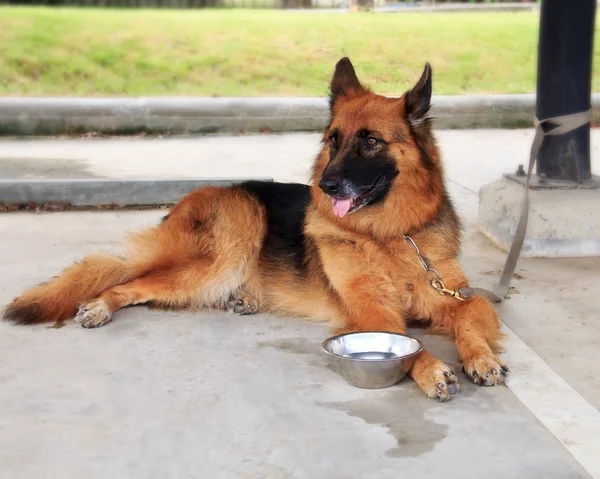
column 564, row 81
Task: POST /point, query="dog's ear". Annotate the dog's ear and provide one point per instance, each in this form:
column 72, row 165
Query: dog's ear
column 344, row 80
column 417, row 101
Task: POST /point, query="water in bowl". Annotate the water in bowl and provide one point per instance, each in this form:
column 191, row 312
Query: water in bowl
column 372, row 355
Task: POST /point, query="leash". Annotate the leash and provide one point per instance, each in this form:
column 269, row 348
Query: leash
column 559, row 125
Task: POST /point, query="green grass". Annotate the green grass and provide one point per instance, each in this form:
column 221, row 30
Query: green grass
column 46, row 51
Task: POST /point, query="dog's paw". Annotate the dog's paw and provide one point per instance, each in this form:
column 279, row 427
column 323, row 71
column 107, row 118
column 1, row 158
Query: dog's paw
column 94, row 315
column 438, row 381
column 485, row 370
column 243, row 303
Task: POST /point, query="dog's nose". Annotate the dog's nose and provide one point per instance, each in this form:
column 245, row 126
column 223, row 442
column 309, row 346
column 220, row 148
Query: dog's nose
column 330, row 184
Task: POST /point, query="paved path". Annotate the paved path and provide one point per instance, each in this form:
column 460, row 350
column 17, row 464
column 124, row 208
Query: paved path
column 159, row 395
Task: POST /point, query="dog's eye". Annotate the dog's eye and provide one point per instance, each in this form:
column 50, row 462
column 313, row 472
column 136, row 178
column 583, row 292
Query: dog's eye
column 333, row 141
column 371, row 141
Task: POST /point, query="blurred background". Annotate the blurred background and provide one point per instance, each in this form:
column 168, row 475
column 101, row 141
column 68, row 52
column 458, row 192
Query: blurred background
column 262, row 47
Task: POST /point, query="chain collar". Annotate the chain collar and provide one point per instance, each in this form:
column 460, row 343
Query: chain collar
column 434, row 277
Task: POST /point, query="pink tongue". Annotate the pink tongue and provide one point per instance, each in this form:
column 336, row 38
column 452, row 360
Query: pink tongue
column 341, row 207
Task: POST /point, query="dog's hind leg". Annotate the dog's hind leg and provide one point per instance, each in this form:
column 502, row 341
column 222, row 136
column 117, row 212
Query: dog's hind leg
column 202, row 283
column 242, row 302
column 173, row 288
column 206, row 249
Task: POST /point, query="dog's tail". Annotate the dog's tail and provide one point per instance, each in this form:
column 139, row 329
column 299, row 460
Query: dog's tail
column 60, row 298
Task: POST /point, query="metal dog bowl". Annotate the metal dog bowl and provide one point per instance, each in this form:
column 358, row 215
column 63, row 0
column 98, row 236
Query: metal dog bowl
column 372, row 360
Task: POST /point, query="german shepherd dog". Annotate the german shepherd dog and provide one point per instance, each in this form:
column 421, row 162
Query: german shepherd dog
column 340, row 250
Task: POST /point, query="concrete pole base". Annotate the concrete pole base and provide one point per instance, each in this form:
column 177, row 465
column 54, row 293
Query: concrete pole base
column 562, row 223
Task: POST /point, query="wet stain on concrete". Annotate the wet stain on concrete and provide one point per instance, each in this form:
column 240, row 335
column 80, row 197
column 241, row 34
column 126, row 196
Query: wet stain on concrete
column 402, row 413
column 402, row 410
column 298, row 345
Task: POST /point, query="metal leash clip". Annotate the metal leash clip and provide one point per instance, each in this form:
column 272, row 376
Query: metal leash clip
column 440, row 288
column 436, row 281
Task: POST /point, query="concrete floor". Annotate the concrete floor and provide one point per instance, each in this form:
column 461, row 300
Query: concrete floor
column 157, row 394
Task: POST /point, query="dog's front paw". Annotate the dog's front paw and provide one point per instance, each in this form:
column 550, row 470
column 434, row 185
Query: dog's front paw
column 485, row 370
column 437, row 380
column 94, row 315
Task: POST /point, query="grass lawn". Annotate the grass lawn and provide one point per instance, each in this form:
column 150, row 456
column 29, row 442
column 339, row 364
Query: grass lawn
column 46, row 51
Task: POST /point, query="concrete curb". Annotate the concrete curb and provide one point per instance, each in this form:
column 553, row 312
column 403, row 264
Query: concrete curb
column 81, row 193
column 52, row 116
column 461, row 8
column 123, row 116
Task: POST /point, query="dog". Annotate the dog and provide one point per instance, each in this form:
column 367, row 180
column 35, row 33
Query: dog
column 369, row 245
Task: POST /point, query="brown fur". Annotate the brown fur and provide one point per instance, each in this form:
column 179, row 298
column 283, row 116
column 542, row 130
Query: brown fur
column 359, row 272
